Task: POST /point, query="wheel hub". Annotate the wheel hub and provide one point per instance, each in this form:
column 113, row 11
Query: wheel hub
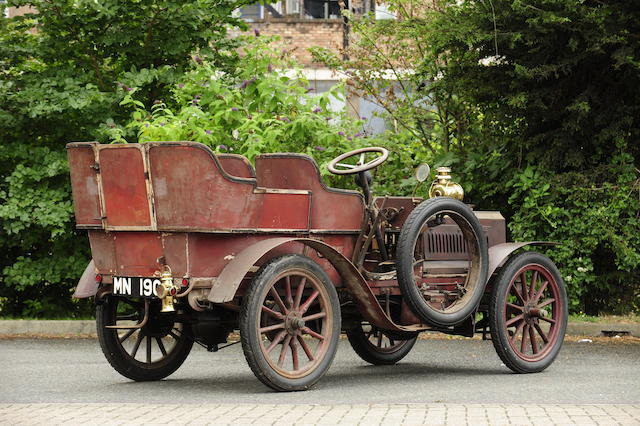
column 532, row 313
column 293, row 323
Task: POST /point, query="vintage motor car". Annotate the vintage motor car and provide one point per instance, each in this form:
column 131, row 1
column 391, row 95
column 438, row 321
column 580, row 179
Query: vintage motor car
column 190, row 246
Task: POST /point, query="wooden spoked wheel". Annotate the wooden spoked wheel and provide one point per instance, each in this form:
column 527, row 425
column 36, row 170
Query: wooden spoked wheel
column 151, row 352
column 290, row 323
column 377, row 347
column 529, row 312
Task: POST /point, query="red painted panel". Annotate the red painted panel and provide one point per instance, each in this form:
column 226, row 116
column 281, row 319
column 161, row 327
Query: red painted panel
column 124, row 186
column 191, row 192
column 175, row 252
column 210, row 253
column 103, row 251
column 283, row 211
column 333, row 209
column 84, row 185
column 236, row 165
column 137, row 253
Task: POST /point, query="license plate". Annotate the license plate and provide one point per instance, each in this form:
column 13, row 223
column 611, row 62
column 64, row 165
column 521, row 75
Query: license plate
column 135, row 286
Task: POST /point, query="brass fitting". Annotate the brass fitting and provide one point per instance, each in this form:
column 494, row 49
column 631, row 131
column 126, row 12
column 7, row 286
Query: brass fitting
column 444, row 187
column 166, row 290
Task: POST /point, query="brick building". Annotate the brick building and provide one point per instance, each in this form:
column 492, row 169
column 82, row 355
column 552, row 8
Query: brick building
column 306, row 23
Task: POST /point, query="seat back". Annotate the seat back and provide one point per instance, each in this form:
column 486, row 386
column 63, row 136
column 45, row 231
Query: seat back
column 331, row 209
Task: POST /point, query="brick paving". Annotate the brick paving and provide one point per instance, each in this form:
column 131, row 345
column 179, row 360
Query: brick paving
column 357, row 414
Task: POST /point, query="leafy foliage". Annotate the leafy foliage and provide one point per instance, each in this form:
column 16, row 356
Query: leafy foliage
column 268, row 106
column 536, row 106
column 63, row 73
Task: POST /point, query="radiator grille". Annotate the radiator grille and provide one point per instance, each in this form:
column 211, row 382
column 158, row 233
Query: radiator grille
column 441, row 243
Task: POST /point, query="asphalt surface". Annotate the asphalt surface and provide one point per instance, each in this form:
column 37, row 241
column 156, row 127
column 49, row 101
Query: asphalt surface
column 436, row 371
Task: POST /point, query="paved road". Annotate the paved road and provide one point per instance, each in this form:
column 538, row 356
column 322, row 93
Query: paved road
column 436, row 371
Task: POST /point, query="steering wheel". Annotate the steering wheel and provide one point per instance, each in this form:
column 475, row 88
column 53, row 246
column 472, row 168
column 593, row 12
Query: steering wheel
column 361, row 166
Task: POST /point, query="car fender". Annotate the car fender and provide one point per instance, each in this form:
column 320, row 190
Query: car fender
column 87, row 285
column 499, row 253
column 226, row 284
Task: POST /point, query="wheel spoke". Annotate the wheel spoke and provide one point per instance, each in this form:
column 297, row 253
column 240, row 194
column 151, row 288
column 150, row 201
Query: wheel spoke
column 523, row 343
column 534, row 280
column 283, row 351
column 299, row 291
column 305, row 348
column 543, row 287
column 518, row 294
column 518, row 330
column 314, row 316
column 545, row 303
column 272, row 313
column 309, row 301
column 276, row 340
column 294, row 354
column 523, row 283
column 148, row 349
column 174, row 335
column 549, row 320
column 519, row 308
column 514, row 320
column 272, row 328
column 379, row 344
column 544, row 337
column 287, row 289
column 278, row 300
column 312, row 333
column 161, row 346
column 127, row 335
column 137, row 344
column 532, row 338
column 347, row 166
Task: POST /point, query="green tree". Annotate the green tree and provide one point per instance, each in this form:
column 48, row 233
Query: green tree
column 63, row 73
column 537, row 105
column 564, row 77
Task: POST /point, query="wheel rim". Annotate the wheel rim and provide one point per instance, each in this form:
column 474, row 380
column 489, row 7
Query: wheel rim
column 532, row 312
column 441, row 297
column 377, row 340
column 154, row 342
column 295, row 323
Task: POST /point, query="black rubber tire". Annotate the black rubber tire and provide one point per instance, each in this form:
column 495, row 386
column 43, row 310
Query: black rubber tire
column 500, row 334
column 123, row 362
column 371, row 354
column 250, row 320
column 405, row 269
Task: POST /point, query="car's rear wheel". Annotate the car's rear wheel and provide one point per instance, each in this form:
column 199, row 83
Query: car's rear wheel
column 151, row 352
column 290, row 323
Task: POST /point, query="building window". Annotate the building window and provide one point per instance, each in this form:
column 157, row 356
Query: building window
column 321, row 9
column 252, row 12
column 303, row 9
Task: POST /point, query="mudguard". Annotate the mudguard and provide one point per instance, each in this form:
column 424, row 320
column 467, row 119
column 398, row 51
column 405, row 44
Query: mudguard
column 499, row 253
column 87, row 285
column 225, row 286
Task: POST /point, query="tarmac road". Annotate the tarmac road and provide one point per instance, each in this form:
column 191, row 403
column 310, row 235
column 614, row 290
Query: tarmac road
column 436, row 371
